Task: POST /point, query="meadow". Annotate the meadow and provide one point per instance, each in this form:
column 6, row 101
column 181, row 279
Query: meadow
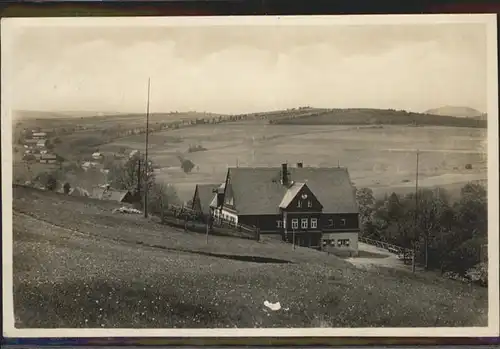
column 382, row 157
column 79, row 265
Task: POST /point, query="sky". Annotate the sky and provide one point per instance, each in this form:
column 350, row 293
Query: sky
column 238, row 69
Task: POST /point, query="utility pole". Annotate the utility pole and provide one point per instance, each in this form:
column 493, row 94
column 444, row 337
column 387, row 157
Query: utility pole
column 208, row 222
column 416, row 216
column 146, row 184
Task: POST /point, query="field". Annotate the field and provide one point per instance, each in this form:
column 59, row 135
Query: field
column 382, row 158
column 77, row 264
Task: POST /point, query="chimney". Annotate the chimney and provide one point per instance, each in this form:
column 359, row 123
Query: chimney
column 284, row 174
column 300, row 164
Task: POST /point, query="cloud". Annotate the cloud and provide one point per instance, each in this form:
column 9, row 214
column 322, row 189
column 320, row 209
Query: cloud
column 238, row 76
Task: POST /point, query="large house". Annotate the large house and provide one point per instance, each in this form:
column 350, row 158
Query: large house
column 311, row 206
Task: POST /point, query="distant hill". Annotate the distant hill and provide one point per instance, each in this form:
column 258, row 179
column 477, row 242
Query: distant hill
column 365, row 116
column 459, row 112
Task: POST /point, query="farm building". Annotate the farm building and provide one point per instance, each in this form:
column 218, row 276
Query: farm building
column 315, row 207
column 39, row 135
column 41, row 143
column 48, row 158
column 28, row 143
column 97, row 156
column 106, row 193
column 203, row 195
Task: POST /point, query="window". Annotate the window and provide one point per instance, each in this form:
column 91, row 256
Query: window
column 332, row 242
column 299, row 203
column 330, row 222
column 303, row 223
column 309, row 204
column 342, row 222
column 314, row 223
column 295, row 223
column 343, row 242
column 279, row 224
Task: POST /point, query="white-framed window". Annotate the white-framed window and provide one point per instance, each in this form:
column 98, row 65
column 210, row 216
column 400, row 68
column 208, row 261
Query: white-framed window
column 295, row 223
column 330, row 223
column 309, row 204
column 299, row 203
column 279, row 223
column 342, row 222
column 332, row 242
column 314, row 223
column 303, row 223
column 343, row 242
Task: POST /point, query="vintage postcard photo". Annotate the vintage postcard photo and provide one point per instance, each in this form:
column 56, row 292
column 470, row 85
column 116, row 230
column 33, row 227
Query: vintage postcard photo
column 250, row 176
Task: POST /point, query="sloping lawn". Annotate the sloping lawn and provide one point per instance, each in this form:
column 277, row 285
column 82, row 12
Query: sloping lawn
column 102, row 273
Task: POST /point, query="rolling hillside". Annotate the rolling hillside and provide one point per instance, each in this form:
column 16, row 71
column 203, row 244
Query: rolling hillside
column 459, row 112
column 77, row 264
column 359, row 116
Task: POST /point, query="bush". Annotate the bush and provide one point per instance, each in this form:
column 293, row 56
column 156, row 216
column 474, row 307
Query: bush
column 187, row 165
column 478, row 274
column 195, row 148
column 51, row 183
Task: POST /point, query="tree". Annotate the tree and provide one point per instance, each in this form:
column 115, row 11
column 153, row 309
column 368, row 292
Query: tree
column 57, row 140
column 51, row 183
column 366, row 201
column 49, row 146
column 66, row 188
column 161, row 196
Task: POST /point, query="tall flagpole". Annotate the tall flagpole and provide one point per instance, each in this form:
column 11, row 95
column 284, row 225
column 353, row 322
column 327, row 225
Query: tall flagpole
column 146, row 184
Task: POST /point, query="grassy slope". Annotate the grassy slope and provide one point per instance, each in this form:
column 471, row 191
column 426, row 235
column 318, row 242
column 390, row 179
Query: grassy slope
column 95, row 269
column 378, row 116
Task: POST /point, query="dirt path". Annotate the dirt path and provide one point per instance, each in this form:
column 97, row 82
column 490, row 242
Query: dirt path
column 376, row 257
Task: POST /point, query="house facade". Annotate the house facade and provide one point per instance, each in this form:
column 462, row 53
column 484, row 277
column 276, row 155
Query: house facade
column 309, row 206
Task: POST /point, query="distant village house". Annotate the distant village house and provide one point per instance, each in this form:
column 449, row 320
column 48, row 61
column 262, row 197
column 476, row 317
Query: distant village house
column 48, row 158
column 39, row 135
column 41, row 143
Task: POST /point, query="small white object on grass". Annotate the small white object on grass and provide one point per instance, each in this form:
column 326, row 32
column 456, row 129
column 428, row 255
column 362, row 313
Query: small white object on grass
column 273, row 306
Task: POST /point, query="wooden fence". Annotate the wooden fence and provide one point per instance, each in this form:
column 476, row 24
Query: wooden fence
column 401, row 252
column 187, row 218
column 236, row 229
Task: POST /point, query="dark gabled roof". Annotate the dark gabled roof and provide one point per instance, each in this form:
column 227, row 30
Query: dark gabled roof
column 109, row 194
column 259, row 190
column 205, row 194
column 115, row 195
